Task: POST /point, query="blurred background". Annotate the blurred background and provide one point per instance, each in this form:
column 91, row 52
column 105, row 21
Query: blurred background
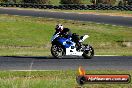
column 56, row 2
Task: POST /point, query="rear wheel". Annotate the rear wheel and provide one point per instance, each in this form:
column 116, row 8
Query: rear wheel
column 57, row 51
column 88, row 54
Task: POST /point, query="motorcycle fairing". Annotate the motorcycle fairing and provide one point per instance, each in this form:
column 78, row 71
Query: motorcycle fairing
column 65, row 42
column 73, row 51
column 54, row 37
column 70, row 47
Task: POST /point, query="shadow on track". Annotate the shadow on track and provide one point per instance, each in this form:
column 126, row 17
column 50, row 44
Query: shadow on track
column 43, row 57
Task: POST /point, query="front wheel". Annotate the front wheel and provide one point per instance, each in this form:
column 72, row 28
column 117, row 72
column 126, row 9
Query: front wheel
column 57, row 51
column 88, row 54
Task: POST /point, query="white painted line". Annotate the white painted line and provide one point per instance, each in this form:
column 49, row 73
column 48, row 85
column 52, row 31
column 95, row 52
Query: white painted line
column 107, row 55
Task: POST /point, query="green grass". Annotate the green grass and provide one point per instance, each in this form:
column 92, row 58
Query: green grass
column 57, row 2
column 30, row 36
column 53, row 79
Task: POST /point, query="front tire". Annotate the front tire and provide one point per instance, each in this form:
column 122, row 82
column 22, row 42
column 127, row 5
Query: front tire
column 88, row 54
column 57, row 51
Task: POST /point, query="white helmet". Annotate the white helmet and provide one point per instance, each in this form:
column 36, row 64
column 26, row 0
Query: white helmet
column 59, row 27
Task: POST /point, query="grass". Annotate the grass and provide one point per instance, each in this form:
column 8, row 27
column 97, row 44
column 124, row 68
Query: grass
column 30, row 36
column 57, row 2
column 53, row 79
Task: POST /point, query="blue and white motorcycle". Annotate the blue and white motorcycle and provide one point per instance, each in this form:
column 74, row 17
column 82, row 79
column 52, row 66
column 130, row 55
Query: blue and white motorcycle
column 62, row 46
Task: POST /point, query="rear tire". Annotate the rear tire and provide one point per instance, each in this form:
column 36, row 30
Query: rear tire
column 88, row 54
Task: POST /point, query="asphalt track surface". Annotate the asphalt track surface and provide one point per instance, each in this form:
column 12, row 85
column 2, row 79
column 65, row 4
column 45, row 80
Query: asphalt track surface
column 114, row 20
column 49, row 63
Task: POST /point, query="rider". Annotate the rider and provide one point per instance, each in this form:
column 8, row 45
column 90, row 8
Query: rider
column 65, row 32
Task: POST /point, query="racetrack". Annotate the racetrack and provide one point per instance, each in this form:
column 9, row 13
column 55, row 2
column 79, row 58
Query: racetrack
column 114, row 20
column 48, row 63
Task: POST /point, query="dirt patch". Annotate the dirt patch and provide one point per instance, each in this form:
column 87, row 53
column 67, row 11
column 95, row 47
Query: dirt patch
column 125, row 43
column 47, row 46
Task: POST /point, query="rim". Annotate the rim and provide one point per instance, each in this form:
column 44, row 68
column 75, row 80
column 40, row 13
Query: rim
column 54, row 48
column 90, row 52
column 58, row 51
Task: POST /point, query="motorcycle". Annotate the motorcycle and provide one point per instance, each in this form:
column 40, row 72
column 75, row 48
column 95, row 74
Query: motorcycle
column 62, row 46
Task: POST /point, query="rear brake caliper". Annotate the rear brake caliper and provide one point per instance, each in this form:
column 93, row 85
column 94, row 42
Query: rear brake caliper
column 87, row 47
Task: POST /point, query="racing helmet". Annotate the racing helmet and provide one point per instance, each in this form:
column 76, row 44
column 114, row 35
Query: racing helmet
column 59, row 27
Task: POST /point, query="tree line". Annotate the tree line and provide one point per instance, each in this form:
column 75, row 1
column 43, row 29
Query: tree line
column 112, row 2
column 95, row 2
